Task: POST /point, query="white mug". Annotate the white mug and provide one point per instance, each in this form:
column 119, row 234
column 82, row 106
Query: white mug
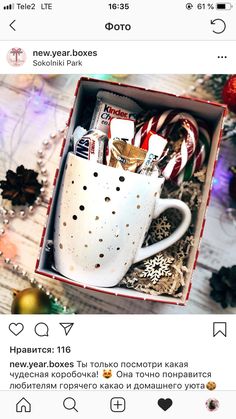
column 101, row 220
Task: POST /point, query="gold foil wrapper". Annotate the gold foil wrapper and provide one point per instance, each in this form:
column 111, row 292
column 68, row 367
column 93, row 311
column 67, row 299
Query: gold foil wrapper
column 126, row 156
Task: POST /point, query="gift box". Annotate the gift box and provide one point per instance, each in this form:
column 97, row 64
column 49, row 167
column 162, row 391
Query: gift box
column 85, row 98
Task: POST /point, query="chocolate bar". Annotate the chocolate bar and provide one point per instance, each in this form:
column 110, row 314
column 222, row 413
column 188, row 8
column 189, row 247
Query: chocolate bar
column 110, row 105
column 92, row 146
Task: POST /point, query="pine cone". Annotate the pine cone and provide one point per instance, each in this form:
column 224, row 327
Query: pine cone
column 21, row 187
column 224, row 286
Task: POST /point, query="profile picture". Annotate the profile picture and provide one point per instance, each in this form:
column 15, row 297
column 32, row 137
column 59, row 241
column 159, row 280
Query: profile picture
column 212, row 404
column 16, row 57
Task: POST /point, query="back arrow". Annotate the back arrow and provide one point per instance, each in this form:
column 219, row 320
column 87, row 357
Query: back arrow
column 213, row 22
column 12, row 23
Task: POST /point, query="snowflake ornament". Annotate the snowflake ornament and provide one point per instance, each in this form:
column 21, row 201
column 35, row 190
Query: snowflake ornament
column 157, row 267
column 160, row 228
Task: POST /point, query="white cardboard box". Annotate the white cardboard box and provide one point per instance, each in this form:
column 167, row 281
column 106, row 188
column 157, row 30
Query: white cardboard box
column 212, row 113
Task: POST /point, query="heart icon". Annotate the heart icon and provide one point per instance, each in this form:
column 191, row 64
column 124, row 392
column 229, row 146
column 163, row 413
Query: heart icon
column 164, row 404
column 16, row 328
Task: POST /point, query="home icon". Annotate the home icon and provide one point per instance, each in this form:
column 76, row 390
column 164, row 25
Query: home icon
column 23, row 406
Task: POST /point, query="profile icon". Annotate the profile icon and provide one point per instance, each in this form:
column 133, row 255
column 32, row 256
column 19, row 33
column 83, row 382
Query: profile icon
column 16, row 57
column 212, row 405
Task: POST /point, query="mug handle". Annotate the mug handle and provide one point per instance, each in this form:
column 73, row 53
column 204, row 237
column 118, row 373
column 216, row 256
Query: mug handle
column 161, row 206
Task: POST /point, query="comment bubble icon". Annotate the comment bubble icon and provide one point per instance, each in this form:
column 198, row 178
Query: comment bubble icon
column 42, row 330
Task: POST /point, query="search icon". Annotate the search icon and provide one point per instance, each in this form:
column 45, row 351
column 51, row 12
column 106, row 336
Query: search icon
column 70, row 404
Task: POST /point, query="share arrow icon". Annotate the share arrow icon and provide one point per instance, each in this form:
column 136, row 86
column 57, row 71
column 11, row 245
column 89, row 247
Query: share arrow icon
column 67, row 327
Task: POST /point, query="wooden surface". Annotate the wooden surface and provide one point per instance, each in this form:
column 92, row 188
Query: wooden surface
column 26, row 119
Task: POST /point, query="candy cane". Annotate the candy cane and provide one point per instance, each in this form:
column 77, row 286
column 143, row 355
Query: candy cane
column 163, row 124
column 199, row 157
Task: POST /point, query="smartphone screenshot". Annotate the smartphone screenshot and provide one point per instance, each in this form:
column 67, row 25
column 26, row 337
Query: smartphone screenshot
column 117, row 209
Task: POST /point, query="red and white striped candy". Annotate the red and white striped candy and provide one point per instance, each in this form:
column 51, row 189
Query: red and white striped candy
column 163, row 124
column 200, row 155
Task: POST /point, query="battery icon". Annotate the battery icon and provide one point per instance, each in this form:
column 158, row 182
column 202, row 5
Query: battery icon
column 224, row 6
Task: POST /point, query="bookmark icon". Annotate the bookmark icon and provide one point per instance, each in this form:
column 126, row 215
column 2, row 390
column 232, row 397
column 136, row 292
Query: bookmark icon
column 219, row 328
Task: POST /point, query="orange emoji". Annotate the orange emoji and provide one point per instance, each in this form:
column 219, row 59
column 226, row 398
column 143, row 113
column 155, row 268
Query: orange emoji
column 107, row 373
column 211, row 385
